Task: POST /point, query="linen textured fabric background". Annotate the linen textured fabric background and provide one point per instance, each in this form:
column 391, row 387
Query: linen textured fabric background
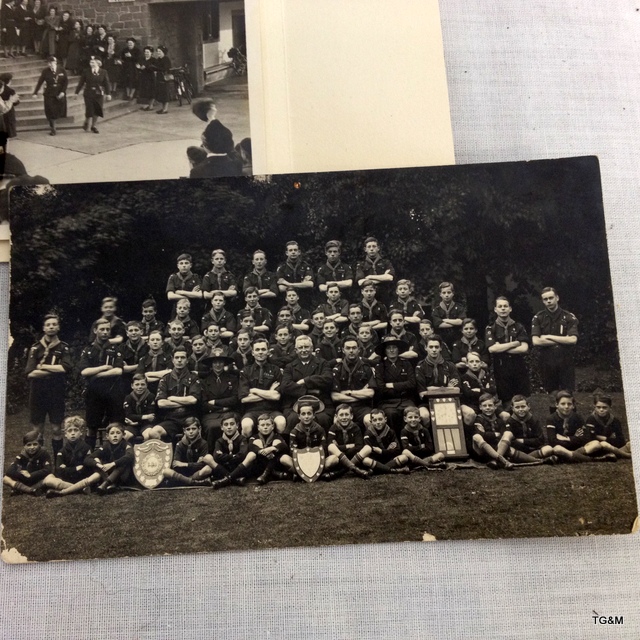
column 543, row 79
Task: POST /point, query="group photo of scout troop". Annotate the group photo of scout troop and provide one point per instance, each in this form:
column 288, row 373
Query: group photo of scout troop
column 363, row 356
column 242, row 374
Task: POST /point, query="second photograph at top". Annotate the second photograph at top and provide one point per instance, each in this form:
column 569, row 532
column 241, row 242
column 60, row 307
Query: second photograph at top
column 110, row 90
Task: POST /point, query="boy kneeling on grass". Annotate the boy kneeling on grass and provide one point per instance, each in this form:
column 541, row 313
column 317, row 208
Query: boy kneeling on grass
column 31, row 466
column 72, row 475
column 267, row 451
column 113, row 460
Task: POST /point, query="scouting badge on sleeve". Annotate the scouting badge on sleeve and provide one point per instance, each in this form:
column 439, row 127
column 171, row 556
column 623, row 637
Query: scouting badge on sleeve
column 151, row 458
column 308, row 462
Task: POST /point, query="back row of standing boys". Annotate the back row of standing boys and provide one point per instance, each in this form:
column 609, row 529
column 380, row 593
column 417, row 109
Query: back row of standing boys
column 153, row 379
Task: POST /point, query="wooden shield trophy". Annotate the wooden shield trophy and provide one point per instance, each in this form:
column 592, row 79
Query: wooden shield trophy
column 151, row 458
column 446, row 423
column 308, row 462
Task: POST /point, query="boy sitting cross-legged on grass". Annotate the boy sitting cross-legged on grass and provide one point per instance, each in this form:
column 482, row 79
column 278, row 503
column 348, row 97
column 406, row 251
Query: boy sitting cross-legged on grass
column 192, row 463
column 381, row 447
column 522, row 440
column 139, row 410
column 344, row 442
column 606, row 428
column 113, row 460
column 267, row 450
column 230, row 449
column 417, row 444
column 31, row 466
column 570, row 438
column 487, row 433
column 71, row 474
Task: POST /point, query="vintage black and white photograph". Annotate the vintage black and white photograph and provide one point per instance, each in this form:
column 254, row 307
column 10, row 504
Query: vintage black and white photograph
column 108, row 90
column 313, row 359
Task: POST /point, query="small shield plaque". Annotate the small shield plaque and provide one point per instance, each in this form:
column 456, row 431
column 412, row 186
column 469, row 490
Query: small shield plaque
column 309, row 462
column 151, row 458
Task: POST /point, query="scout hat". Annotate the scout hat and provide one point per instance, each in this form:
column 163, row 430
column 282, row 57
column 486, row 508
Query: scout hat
column 390, row 340
column 317, row 404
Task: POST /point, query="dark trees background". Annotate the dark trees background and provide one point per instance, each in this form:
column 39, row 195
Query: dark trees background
column 491, row 229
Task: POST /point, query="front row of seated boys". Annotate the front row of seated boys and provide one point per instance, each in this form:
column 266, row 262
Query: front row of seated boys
column 266, row 455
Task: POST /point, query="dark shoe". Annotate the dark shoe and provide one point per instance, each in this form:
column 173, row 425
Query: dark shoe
column 94, row 130
column 503, row 463
column 264, row 477
column 400, row 470
column 112, row 488
column 223, row 482
column 52, row 132
column 281, row 475
column 241, row 482
column 361, row 472
column 101, row 490
column 551, row 460
column 53, row 493
column 85, row 126
column 609, row 457
column 205, row 482
column 493, row 465
column 147, row 108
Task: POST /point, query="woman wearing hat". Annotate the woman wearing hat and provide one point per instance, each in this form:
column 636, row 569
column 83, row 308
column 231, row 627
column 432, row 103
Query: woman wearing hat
column 55, row 83
column 163, row 65
column 395, row 381
column 219, row 394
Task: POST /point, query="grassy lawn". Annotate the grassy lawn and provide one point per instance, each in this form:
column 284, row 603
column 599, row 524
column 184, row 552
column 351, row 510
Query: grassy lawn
column 563, row 500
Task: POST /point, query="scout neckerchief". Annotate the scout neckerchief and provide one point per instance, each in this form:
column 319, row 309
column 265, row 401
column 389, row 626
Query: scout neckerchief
column 217, row 316
column 218, row 272
column 373, row 263
column 192, row 455
column 505, row 324
column 48, row 345
column 344, row 432
column 468, row 342
column 183, row 280
column 102, row 347
column 605, row 425
column 294, row 266
column 565, row 422
column 231, row 441
column 435, row 364
column 351, row 371
column 447, row 308
column 370, row 307
column 333, row 269
column 154, row 358
column 72, row 449
column 478, row 377
column 523, row 423
column 334, row 306
column 266, row 440
column 244, row 354
column 136, row 348
column 492, row 420
column 252, row 310
column 260, row 274
column 333, row 343
column 405, row 303
column 380, row 436
column 141, row 400
column 181, row 378
column 295, row 308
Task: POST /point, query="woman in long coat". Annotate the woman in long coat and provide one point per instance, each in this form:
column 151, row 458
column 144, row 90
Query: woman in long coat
column 62, row 44
column 75, row 48
column 39, row 14
column 55, row 83
column 9, row 33
column 147, row 79
column 24, row 22
column 112, row 63
column 130, row 56
column 163, row 86
column 51, row 29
